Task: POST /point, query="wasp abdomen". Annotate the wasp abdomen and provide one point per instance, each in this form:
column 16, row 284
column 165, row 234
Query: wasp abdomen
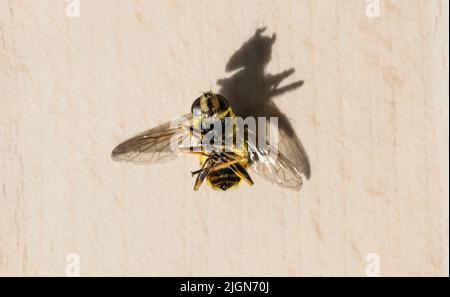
column 223, row 179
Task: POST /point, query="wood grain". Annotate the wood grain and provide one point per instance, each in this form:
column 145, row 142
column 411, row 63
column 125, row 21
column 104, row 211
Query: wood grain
column 372, row 115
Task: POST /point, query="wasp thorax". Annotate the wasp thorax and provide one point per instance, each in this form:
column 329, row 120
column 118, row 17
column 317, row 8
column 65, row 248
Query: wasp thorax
column 209, row 105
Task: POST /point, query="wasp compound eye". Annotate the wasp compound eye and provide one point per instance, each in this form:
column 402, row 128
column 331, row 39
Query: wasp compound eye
column 196, row 109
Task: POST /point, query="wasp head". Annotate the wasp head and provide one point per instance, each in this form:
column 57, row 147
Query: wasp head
column 209, row 105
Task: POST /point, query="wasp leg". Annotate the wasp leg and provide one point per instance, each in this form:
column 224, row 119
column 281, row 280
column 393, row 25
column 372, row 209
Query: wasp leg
column 193, row 150
column 231, row 159
column 233, row 164
column 203, row 173
column 217, row 167
column 238, row 169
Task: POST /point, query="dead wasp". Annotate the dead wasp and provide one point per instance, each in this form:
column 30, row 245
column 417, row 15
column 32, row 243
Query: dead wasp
column 223, row 169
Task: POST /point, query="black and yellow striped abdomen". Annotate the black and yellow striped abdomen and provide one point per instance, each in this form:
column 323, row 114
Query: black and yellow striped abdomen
column 227, row 178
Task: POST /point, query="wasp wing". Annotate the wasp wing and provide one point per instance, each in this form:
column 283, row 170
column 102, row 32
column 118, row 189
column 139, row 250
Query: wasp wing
column 274, row 167
column 293, row 149
column 156, row 145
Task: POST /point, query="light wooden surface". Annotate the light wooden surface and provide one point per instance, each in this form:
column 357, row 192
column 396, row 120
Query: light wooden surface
column 372, row 115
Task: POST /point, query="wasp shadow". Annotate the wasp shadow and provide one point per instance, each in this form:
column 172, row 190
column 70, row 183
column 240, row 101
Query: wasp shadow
column 251, row 91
